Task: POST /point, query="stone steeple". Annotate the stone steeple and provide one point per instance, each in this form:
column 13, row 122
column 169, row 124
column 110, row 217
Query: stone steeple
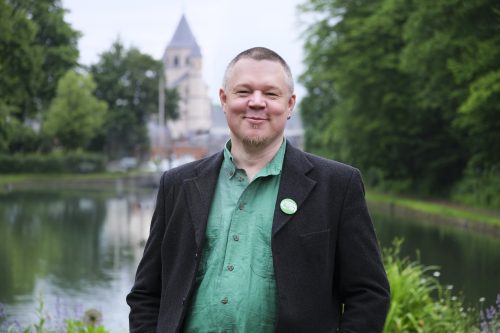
column 183, row 69
column 184, row 38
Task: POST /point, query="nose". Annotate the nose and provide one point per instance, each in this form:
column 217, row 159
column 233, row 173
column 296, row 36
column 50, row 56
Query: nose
column 256, row 100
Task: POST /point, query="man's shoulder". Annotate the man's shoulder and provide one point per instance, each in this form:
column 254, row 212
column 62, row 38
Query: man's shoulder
column 192, row 169
column 328, row 163
column 323, row 164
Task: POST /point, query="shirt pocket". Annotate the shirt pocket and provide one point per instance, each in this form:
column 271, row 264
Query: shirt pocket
column 262, row 257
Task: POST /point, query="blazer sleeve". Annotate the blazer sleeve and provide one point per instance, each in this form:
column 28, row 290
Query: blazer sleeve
column 144, row 298
column 363, row 285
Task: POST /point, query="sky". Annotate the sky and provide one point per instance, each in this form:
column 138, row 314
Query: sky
column 222, row 28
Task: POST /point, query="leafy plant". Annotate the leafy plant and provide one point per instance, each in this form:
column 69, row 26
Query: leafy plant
column 77, row 326
column 419, row 303
column 90, row 322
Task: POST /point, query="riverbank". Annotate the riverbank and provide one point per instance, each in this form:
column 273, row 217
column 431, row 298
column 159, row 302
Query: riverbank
column 477, row 219
column 28, row 181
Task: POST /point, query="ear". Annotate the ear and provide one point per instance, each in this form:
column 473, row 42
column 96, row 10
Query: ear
column 291, row 104
column 222, row 98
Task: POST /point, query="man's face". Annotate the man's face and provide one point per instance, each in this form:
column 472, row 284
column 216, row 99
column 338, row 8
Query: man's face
column 257, row 102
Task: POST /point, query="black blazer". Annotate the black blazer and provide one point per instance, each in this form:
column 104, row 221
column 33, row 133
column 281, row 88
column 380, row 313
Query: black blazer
column 325, row 255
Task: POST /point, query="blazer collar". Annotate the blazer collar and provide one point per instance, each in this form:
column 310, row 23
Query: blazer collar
column 295, row 184
column 200, row 192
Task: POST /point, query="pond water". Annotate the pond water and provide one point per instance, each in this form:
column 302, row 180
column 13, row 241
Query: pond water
column 78, row 249
column 467, row 260
column 73, row 249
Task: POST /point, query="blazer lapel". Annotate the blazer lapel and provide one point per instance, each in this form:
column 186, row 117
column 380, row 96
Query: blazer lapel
column 200, row 192
column 294, row 184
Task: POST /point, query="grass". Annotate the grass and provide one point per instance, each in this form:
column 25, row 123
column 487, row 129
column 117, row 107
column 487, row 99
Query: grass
column 17, row 178
column 441, row 209
column 6, row 179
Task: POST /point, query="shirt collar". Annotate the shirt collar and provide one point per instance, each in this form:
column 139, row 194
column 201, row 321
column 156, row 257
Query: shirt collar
column 273, row 168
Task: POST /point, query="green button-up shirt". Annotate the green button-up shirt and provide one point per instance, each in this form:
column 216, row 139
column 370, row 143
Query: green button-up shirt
column 235, row 285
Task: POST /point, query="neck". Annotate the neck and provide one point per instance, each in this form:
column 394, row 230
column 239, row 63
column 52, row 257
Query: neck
column 253, row 158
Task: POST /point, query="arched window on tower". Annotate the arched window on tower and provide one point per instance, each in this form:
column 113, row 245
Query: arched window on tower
column 187, row 61
column 176, row 61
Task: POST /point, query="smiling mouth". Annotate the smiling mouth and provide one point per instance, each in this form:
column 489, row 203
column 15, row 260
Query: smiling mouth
column 256, row 120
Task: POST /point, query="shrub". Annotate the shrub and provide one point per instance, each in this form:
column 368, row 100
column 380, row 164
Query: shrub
column 479, row 188
column 54, row 162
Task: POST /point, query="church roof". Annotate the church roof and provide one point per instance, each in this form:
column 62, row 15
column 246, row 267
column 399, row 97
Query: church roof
column 184, row 38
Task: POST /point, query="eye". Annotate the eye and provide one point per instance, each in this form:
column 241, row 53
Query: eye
column 272, row 94
column 242, row 92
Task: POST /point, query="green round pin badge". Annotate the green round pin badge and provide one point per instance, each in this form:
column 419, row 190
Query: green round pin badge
column 288, row 206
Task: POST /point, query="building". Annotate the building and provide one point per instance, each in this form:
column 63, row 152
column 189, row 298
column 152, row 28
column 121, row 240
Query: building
column 183, row 70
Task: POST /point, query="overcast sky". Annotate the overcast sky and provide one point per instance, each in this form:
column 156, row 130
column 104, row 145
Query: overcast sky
column 222, row 28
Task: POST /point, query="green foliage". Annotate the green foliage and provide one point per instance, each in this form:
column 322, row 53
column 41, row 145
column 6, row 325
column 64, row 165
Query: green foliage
column 478, row 188
column 128, row 81
column 59, row 42
column 20, row 57
column 408, row 91
column 479, row 117
column 86, row 325
column 7, row 125
column 172, row 103
column 36, row 48
column 419, row 303
column 54, row 162
column 77, row 326
column 89, row 324
column 75, row 115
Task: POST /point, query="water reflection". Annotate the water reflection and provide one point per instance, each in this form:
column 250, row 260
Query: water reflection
column 79, row 248
column 468, row 260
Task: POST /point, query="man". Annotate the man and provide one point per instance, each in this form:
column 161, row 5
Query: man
column 261, row 237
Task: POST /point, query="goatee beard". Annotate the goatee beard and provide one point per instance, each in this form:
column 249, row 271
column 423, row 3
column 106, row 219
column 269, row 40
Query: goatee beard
column 255, row 141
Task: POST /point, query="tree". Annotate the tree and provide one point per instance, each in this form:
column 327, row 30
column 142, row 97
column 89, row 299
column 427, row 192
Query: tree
column 128, row 81
column 353, row 57
column 19, row 68
column 453, row 55
column 36, row 48
column 6, row 126
column 172, row 103
column 59, row 42
column 406, row 90
column 75, row 115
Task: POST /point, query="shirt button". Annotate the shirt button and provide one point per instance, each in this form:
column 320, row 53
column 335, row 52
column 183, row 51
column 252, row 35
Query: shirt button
column 231, row 173
column 241, row 206
column 224, row 300
column 236, row 238
column 230, row 268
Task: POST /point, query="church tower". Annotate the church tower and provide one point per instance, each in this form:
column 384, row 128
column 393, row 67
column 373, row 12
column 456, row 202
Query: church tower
column 182, row 61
